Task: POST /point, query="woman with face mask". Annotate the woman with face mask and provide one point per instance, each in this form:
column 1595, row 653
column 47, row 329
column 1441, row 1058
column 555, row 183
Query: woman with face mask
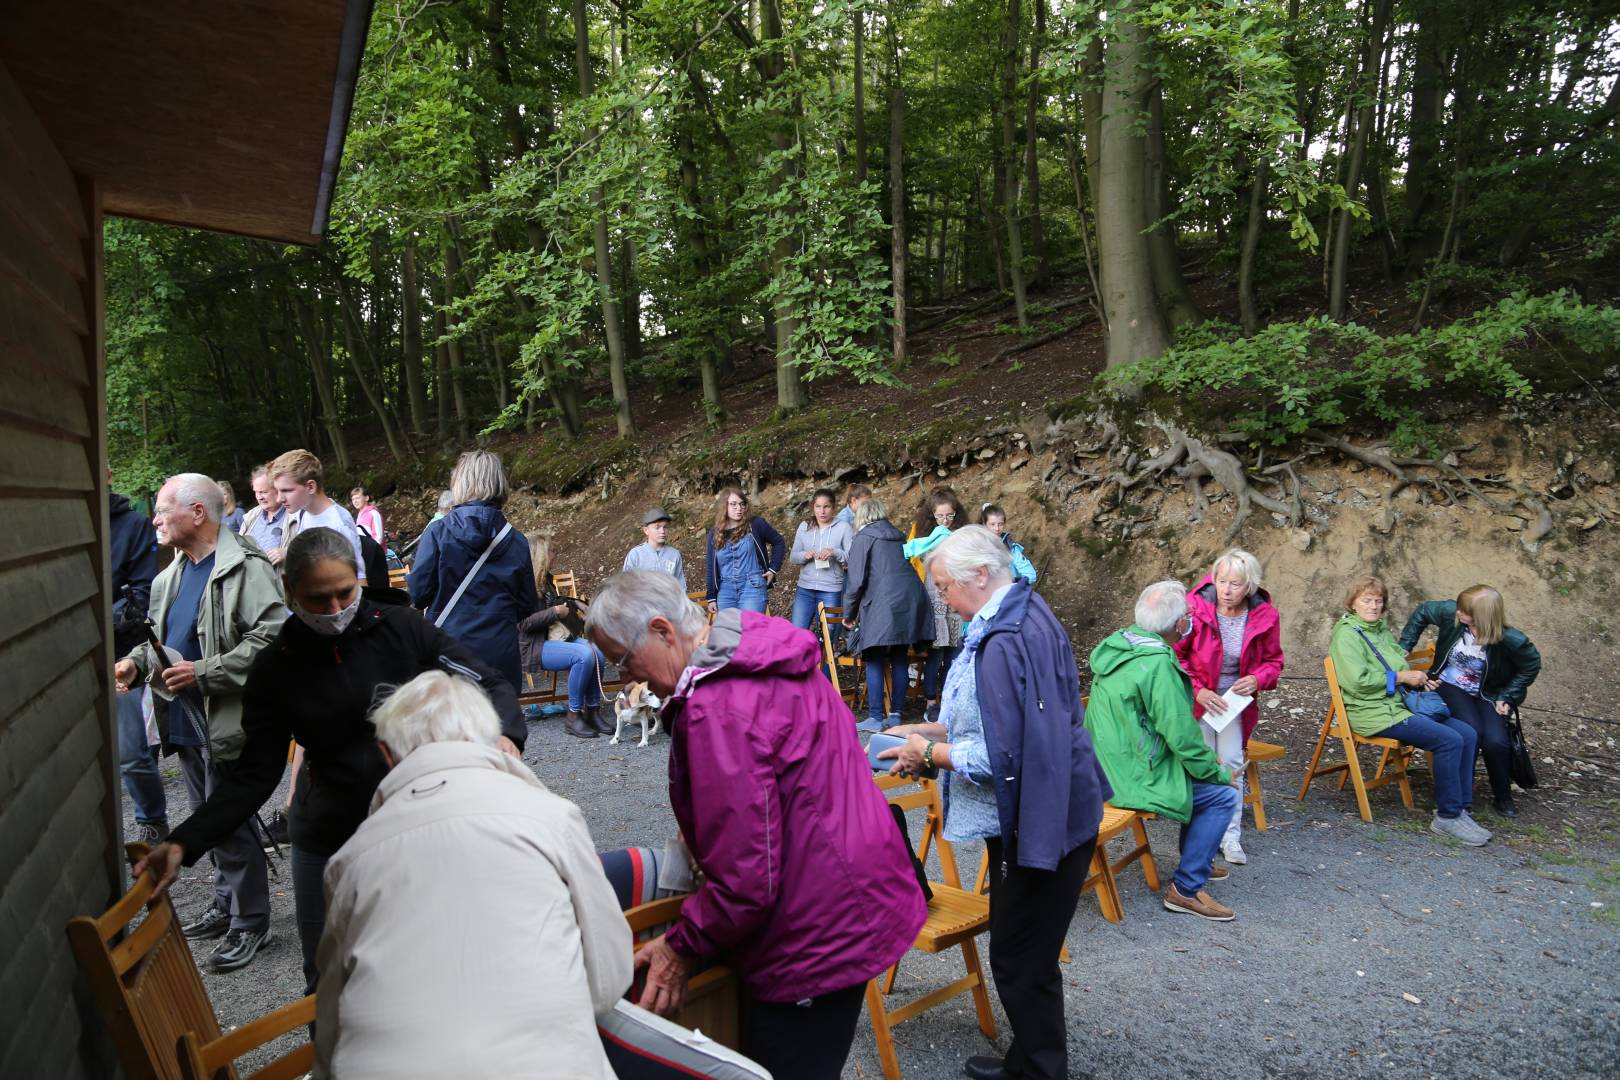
column 317, row 683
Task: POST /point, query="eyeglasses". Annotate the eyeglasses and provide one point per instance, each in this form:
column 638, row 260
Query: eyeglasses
column 634, row 645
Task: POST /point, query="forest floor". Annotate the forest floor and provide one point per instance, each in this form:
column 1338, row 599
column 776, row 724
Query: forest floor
column 1508, row 952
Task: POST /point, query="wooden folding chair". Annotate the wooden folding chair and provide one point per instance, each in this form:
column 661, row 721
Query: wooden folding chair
column 701, row 599
column 1253, row 755
column 1103, row 875
column 713, row 995
column 145, row 982
column 856, row 695
column 1394, row 756
column 214, row 1060
column 399, row 578
column 955, row 917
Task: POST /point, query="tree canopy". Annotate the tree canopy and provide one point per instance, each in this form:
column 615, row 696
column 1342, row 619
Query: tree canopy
column 548, row 212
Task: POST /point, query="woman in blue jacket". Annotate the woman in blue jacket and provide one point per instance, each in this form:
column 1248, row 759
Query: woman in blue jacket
column 1022, row 776
column 478, row 603
column 737, row 568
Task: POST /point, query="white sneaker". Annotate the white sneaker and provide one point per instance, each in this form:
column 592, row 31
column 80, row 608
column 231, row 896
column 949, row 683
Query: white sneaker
column 1232, row 852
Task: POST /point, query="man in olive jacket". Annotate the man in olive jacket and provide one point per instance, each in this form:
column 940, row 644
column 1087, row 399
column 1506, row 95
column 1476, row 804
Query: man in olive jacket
column 1141, row 721
column 215, row 606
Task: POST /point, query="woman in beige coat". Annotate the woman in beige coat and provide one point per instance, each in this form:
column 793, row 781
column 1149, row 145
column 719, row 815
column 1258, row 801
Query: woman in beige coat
column 470, row 931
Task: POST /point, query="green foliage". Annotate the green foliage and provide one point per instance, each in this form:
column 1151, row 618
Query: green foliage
column 1316, row 373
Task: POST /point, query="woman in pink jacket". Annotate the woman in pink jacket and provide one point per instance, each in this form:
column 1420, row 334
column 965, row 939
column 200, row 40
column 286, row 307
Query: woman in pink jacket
column 808, row 890
column 1235, row 645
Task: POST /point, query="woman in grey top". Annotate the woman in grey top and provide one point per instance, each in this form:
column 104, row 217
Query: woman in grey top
column 821, row 552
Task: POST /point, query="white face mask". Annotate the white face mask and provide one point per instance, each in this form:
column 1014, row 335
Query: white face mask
column 329, row 625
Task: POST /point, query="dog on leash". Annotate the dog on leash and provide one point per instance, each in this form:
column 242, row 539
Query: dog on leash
column 635, row 702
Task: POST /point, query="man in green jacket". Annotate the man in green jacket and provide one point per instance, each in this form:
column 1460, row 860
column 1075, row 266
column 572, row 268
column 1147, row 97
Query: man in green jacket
column 214, row 607
column 1141, row 721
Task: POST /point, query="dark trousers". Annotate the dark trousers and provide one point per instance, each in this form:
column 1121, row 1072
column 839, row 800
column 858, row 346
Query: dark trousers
column 1029, row 918
column 1491, row 729
column 309, row 905
column 806, row 1040
column 241, row 880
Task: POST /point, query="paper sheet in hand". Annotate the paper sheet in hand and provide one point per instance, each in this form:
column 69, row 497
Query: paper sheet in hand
column 1235, row 704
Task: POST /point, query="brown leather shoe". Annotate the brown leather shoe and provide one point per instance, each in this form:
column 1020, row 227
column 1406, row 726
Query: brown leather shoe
column 601, row 717
column 1201, row 905
column 1219, row 873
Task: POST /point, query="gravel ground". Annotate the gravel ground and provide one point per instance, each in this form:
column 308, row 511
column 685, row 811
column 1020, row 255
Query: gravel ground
column 1510, row 953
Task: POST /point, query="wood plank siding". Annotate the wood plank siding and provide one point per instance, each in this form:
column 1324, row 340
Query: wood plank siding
column 59, row 799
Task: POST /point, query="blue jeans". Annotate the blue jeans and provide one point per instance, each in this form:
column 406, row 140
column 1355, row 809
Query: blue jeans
column 139, row 762
column 584, row 666
column 748, row 594
column 804, row 607
column 940, row 659
column 1451, row 746
column 1490, row 733
column 893, row 659
column 1212, row 806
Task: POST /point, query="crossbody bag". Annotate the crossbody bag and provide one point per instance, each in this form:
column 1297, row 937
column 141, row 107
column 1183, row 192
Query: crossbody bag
column 468, row 580
column 1424, row 703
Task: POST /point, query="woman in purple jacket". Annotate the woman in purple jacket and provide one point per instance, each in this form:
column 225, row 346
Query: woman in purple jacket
column 775, row 801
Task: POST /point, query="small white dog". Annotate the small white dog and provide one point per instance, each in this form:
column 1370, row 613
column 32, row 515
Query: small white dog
column 635, row 702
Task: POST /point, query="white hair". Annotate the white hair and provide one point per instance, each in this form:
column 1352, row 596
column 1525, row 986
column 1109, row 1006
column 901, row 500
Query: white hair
column 447, row 502
column 1161, row 606
column 191, row 488
column 1239, row 563
column 627, row 602
column 968, row 550
column 435, row 707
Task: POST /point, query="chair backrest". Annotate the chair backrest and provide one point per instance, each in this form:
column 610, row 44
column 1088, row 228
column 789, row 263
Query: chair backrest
column 1339, row 721
column 565, row 583
column 701, row 599
column 923, row 795
column 145, row 982
column 215, row 1060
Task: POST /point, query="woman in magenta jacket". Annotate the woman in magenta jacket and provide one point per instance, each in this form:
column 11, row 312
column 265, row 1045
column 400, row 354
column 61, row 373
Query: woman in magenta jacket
column 1235, row 644
column 808, row 890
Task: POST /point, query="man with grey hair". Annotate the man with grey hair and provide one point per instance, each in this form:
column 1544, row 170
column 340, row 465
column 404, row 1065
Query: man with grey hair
column 1141, row 720
column 215, row 607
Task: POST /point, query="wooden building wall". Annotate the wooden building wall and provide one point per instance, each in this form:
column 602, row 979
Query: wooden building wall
column 59, row 818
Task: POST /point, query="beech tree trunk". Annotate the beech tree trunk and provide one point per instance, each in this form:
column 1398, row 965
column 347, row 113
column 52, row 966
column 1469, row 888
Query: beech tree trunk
column 1010, row 162
column 1136, row 325
column 612, row 328
column 411, row 337
column 452, row 345
column 1371, row 58
column 860, row 97
column 1032, row 161
column 1165, row 257
column 897, row 195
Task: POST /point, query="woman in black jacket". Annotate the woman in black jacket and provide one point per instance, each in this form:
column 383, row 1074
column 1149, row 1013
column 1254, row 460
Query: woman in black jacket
column 317, row 683
column 550, row 640
column 1482, row 669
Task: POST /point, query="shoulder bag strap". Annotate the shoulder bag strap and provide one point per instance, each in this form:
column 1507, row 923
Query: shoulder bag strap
column 1365, row 640
column 477, row 566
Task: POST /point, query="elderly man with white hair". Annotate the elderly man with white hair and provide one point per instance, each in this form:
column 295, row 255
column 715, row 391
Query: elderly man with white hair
column 808, row 889
column 215, row 607
column 1141, row 716
column 1022, row 778
column 469, row 928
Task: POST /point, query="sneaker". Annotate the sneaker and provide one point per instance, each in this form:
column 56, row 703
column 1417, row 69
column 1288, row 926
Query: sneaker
column 1459, row 829
column 871, row 725
column 1232, row 852
column 892, row 720
column 210, row 924
column 1201, row 905
column 238, row 948
column 1219, row 873
column 1465, row 816
column 151, row 832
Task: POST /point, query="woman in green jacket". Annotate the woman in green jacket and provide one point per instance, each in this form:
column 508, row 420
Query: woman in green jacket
column 1482, row 668
column 1371, row 671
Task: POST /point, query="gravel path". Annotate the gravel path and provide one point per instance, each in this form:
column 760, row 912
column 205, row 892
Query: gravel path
column 1511, row 956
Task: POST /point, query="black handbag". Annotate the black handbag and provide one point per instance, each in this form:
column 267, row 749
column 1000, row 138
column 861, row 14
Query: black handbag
column 1522, row 765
